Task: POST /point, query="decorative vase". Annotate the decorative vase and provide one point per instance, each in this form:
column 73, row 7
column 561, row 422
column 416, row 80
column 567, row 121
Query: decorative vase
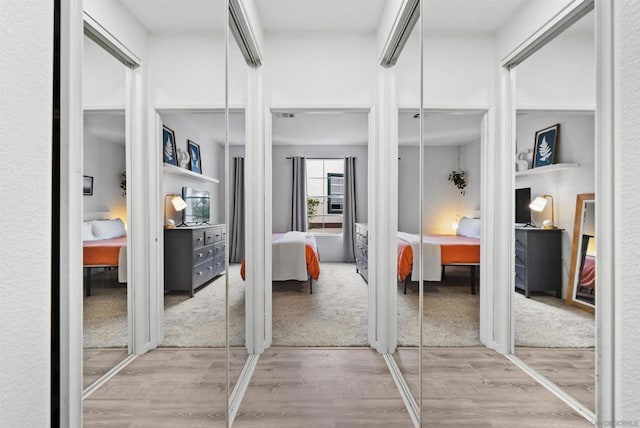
column 183, row 159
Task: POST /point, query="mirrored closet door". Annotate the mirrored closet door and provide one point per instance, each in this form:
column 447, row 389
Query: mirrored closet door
column 235, row 208
column 187, row 81
column 409, row 291
column 107, row 297
column 555, row 259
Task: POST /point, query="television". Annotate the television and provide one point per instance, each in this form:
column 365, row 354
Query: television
column 523, row 212
column 198, row 209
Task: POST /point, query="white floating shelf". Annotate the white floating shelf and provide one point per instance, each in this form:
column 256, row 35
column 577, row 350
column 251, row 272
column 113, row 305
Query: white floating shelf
column 175, row 170
column 547, row 169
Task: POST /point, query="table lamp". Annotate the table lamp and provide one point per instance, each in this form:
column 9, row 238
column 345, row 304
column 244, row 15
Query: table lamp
column 178, row 205
column 539, row 205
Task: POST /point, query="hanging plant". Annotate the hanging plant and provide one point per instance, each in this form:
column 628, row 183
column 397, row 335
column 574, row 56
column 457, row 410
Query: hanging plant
column 459, row 179
column 123, row 183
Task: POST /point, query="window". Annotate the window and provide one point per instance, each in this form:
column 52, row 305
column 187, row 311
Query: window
column 325, row 195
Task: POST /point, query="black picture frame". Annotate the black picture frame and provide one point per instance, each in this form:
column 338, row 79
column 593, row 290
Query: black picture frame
column 168, row 144
column 545, row 146
column 87, row 185
column 195, row 162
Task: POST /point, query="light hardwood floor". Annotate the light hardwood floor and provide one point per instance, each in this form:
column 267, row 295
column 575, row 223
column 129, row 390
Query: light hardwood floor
column 301, row 387
column 322, row 388
column 97, row 362
column 479, row 387
column 173, row 388
column 574, row 370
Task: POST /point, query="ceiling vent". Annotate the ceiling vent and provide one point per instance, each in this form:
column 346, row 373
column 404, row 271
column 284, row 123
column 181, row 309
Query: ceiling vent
column 288, row 115
column 242, row 32
column 400, row 31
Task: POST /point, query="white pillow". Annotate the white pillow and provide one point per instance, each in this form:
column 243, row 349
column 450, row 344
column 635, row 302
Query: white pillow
column 107, row 229
column 87, row 233
column 469, row 227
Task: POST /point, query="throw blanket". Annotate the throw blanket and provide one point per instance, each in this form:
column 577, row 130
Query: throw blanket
column 289, row 257
column 430, row 255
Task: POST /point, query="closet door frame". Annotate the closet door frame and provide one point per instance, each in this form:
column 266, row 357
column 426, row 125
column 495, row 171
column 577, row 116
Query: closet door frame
column 266, row 181
column 74, row 24
column 607, row 350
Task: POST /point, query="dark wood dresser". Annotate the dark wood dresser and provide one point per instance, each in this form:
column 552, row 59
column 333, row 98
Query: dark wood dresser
column 538, row 260
column 362, row 250
column 193, row 256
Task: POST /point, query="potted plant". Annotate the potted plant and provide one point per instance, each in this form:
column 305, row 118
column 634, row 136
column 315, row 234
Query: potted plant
column 459, row 178
column 312, row 209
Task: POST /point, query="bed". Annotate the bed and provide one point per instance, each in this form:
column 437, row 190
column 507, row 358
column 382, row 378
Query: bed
column 295, row 257
column 462, row 249
column 104, row 245
column 587, row 283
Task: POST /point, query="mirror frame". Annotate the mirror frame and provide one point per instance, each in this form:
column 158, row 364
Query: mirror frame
column 573, row 270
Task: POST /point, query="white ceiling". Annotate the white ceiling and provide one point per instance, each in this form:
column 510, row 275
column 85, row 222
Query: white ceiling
column 107, row 125
column 178, row 15
column 321, row 128
column 320, row 15
column 486, row 16
column 440, row 129
column 212, row 125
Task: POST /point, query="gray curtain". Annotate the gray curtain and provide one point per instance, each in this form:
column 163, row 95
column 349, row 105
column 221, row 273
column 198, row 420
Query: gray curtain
column 236, row 243
column 299, row 195
column 349, row 211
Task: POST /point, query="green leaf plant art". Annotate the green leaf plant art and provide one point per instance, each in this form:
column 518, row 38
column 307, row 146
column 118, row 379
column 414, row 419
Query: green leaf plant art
column 459, row 179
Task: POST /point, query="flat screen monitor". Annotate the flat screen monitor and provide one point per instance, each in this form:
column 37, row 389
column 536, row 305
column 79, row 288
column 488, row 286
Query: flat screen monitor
column 198, row 209
column 523, row 212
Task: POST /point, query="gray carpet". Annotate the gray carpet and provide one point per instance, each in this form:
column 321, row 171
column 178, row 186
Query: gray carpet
column 336, row 314
column 544, row 321
column 451, row 312
column 105, row 312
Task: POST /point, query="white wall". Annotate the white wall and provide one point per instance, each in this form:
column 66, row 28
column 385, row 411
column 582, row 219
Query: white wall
column 576, row 145
column 458, row 71
column 120, row 23
column 330, row 247
column 212, row 158
column 320, row 69
column 560, row 75
column 104, row 160
column 26, row 46
column 443, row 201
column 103, row 78
column 187, row 70
column 627, row 89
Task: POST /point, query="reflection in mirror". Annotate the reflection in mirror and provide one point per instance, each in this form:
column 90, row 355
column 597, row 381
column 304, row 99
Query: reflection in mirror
column 236, row 240
column 408, row 86
column 554, row 333
column 106, row 298
column 582, row 275
column 320, row 186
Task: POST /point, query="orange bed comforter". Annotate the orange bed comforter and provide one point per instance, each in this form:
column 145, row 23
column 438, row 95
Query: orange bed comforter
column 102, row 252
column 311, row 256
column 454, row 249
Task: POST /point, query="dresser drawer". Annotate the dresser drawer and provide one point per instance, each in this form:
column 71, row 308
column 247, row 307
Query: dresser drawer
column 202, row 254
column 213, row 235
column 218, row 265
column 218, row 249
column 521, row 276
column 198, row 238
column 202, row 273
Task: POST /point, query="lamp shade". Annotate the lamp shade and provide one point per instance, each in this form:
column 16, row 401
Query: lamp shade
column 538, row 203
column 178, row 203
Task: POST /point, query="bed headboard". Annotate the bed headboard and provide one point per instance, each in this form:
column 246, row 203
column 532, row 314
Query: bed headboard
column 96, row 215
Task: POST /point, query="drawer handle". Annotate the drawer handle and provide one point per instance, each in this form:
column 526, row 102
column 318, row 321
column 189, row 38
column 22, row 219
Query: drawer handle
column 210, row 267
column 199, row 255
column 200, row 273
column 199, row 239
column 210, row 252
